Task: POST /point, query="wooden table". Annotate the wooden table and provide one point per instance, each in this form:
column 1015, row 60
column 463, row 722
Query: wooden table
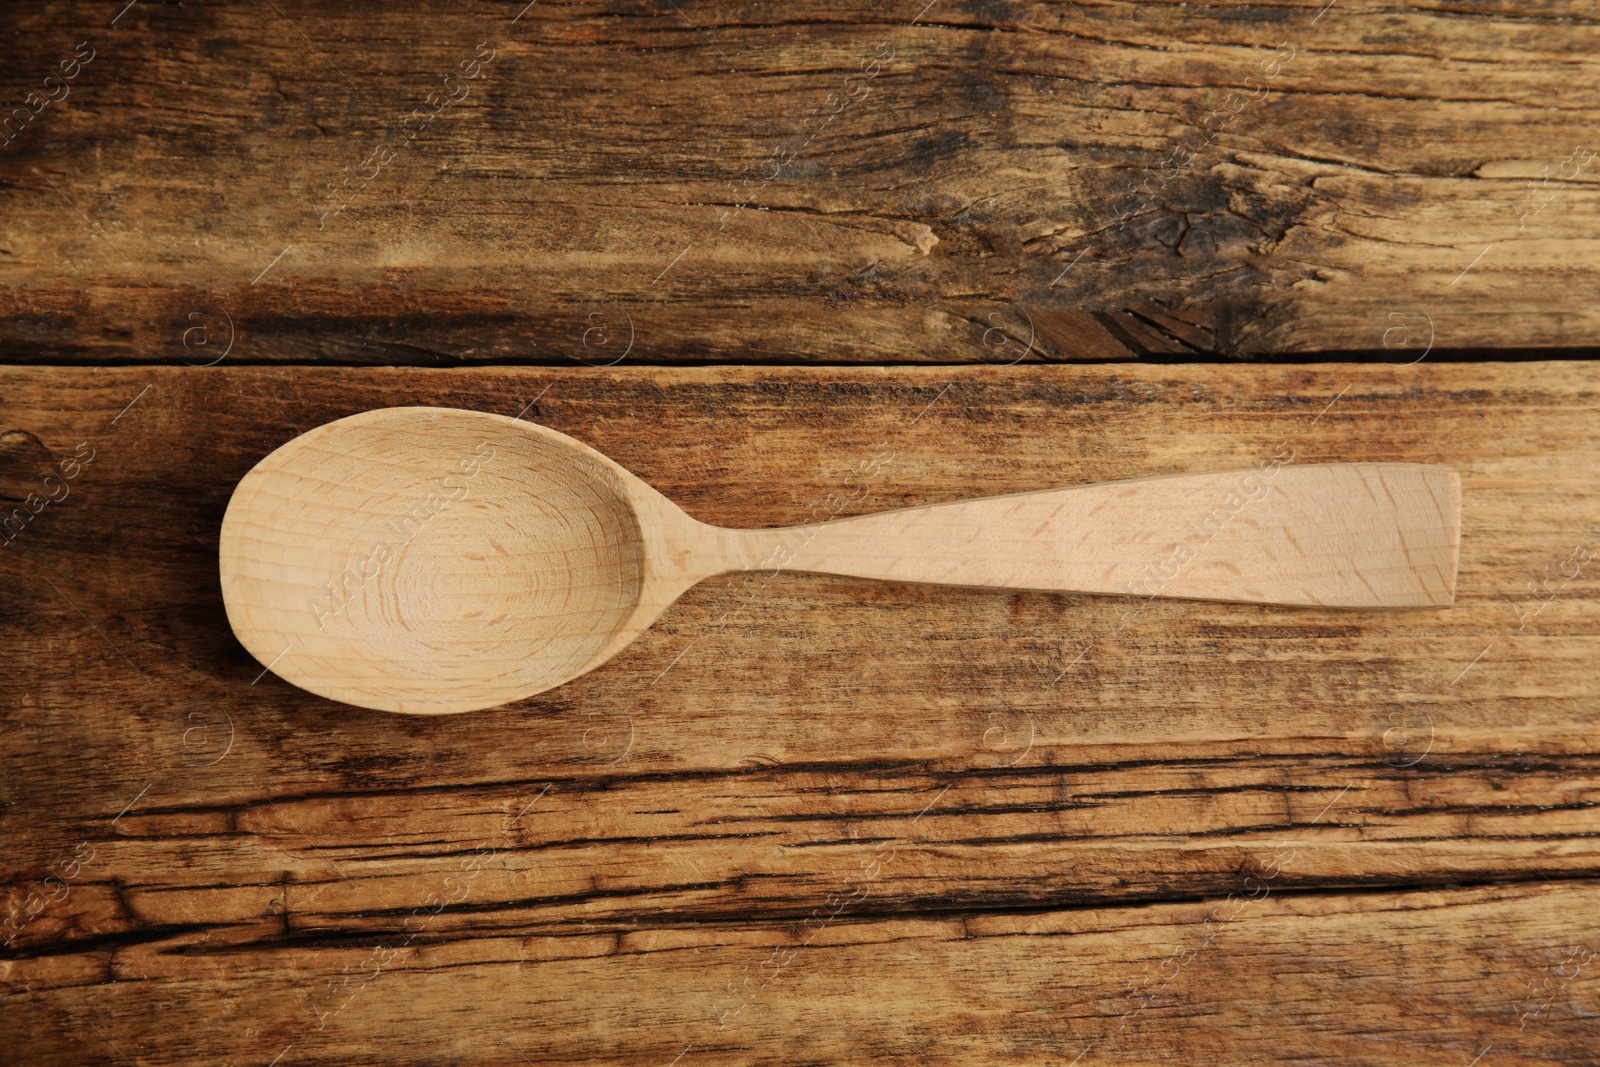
column 808, row 819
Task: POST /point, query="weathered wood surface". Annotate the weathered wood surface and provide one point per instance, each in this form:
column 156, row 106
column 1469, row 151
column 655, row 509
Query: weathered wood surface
column 860, row 182
column 809, row 819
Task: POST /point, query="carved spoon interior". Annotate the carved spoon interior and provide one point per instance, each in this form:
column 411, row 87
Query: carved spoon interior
column 433, row 560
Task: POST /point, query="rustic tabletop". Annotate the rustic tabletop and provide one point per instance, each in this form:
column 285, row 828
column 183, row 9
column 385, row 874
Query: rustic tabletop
column 788, row 263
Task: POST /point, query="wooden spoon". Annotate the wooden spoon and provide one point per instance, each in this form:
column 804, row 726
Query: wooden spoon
column 432, row 560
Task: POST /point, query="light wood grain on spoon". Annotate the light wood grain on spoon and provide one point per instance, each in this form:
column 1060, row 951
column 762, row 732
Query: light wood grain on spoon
column 432, row 560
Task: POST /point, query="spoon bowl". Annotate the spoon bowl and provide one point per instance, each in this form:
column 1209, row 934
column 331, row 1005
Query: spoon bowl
column 434, row 560
column 438, row 558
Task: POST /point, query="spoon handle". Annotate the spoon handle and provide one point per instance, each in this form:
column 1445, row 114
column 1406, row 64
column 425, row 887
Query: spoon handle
column 1354, row 535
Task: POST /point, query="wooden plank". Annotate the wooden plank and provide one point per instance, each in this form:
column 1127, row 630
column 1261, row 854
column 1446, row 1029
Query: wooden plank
column 1428, row 977
column 830, row 182
column 1053, row 702
column 608, row 856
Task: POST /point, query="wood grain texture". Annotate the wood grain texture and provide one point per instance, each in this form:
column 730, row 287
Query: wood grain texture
column 969, row 181
column 811, row 819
